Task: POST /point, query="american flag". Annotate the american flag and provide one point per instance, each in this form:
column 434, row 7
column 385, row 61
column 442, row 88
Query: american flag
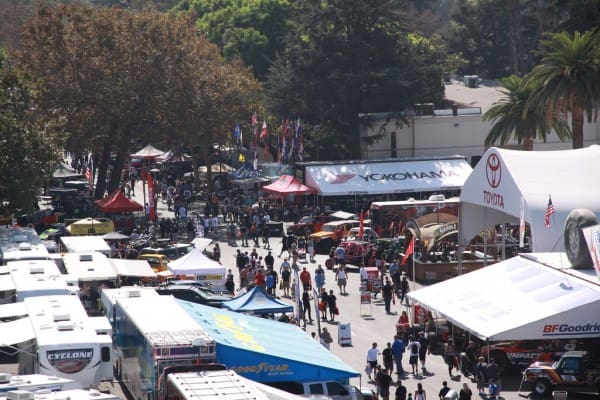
column 89, row 172
column 549, row 211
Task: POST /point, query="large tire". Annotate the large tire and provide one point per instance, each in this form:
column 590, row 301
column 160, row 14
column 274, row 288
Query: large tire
column 542, row 387
column 574, row 241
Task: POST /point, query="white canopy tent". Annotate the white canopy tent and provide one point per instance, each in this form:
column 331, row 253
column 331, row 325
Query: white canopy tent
column 533, row 296
column 196, row 264
column 401, row 176
column 492, row 194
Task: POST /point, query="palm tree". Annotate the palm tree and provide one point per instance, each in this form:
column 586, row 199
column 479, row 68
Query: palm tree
column 512, row 119
column 568, row 79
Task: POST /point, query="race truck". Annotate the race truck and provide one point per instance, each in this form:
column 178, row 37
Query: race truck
column 574, row 371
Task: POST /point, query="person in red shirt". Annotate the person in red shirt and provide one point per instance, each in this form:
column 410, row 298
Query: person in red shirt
column 305, row 279
column 259, row 279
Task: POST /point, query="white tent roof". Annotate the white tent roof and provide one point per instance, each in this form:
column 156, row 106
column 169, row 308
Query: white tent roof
column 195, row 263
column 533, row 296
column 85, row 244
column 389, row 177
column 492, row 193
column 135, row 268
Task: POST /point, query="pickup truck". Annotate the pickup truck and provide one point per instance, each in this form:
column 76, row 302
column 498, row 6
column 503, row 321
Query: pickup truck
column 573, row 371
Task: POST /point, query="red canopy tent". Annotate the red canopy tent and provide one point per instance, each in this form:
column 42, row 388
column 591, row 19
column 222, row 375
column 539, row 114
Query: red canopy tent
column 116, row 202
column 287, row 184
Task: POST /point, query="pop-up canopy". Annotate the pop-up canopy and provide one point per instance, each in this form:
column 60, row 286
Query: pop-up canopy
column 148, row 152
column 116, row 202
column 287, row 184
column 265, row 350
column 492, row 194
column 527, row 297
column 257, row 301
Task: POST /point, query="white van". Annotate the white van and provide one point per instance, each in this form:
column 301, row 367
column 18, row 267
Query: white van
column 330, row 389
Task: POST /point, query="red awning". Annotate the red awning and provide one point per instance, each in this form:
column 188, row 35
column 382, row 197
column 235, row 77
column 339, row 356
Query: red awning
column 287, row 184
column 116, row 202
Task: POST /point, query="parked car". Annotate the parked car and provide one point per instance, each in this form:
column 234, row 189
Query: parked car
column 172, row 251
column 326, row 237
column 308, row 224
column 331, row 389
column 194, row 294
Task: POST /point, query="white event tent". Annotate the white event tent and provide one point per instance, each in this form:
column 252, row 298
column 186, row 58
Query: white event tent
column 527, row 297
column 196, row 264
column 505, row 179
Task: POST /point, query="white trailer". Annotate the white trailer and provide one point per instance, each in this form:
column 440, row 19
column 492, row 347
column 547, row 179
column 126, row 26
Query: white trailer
column 153, row 333
column 71, row 394
column 109, row 297
column 22, row 279
column 58, row 338
column 24, row 251
column 91, row 267
column 218, row 384
column 35, row 382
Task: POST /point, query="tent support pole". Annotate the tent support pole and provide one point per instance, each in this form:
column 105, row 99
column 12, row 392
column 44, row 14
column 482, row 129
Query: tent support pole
column 504, row 241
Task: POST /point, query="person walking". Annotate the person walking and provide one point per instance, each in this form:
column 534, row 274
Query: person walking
column 398, row 349
column 326, row 338
column 420, row 393
column 450, row 355
column 284, row 245
column 319, row 278
column 388, row 358
column 372, row 359
column 306, row 306
column 400, row 391
column 403, row 289
column 332, row 305
column 465, row 392
column 342, row 278
column 305, row 279
column 323, row 304
column 413, row 360
column 423, row 350
column 388, row 295
column 384, row 381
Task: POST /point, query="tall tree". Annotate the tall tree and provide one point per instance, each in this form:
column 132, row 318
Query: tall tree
column 568, row 79
column 347, row 57
column 512, row 120
column 31, row 141
column 121, row 76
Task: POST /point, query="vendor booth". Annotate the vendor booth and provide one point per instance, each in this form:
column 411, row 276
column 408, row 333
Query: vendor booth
column 506, row 182
column 256, row 301
column 260, row 349
column 117, row 203
column 195, row 265
column 530, row 296
column 287, row 185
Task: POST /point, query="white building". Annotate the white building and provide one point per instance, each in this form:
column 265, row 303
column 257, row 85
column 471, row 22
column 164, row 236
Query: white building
column 429, row 132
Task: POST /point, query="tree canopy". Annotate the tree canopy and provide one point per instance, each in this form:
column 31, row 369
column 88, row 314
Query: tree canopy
column 30, row 141
column 120, row 76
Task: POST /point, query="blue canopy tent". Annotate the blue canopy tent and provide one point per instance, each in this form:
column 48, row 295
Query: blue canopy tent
column 257, row 301
column 265, row 350
column 246, row 174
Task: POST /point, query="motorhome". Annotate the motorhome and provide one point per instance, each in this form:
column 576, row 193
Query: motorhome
column 58, row 338
column 199, row 384
column 22, row 279
column 71, row 394
column 109, row 297
column 17, row 243
column 151, row 334
column 35, row 383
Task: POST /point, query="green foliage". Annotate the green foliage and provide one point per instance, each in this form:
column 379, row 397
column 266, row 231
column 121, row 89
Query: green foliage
column 29, row 141
column 512, row 119
column 251, row 30
column 568, row 78
column 347, row 57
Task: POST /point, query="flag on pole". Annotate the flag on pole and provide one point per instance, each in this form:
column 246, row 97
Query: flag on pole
column 549, row 211
column 151, row 204
column 361, row 229
column 266, row 151
column 391, row 228
column 410, row 249
column 89, row 172
column 264, row 133
column 237, row 133
column 299, row 142
column 522, row 224
column 254, row 119
column 254, row 129
column 255, row 161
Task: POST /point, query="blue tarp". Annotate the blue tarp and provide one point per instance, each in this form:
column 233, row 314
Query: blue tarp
column 265, row 350
column 257, row 301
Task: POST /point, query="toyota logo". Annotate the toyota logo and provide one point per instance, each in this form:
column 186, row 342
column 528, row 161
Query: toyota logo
column 493, row 170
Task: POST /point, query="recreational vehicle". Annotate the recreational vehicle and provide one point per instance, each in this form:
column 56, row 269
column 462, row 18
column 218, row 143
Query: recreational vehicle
column 71, row 394
column 35, row 383
column 22, row 279
column 151, row 334
column 58, row 338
